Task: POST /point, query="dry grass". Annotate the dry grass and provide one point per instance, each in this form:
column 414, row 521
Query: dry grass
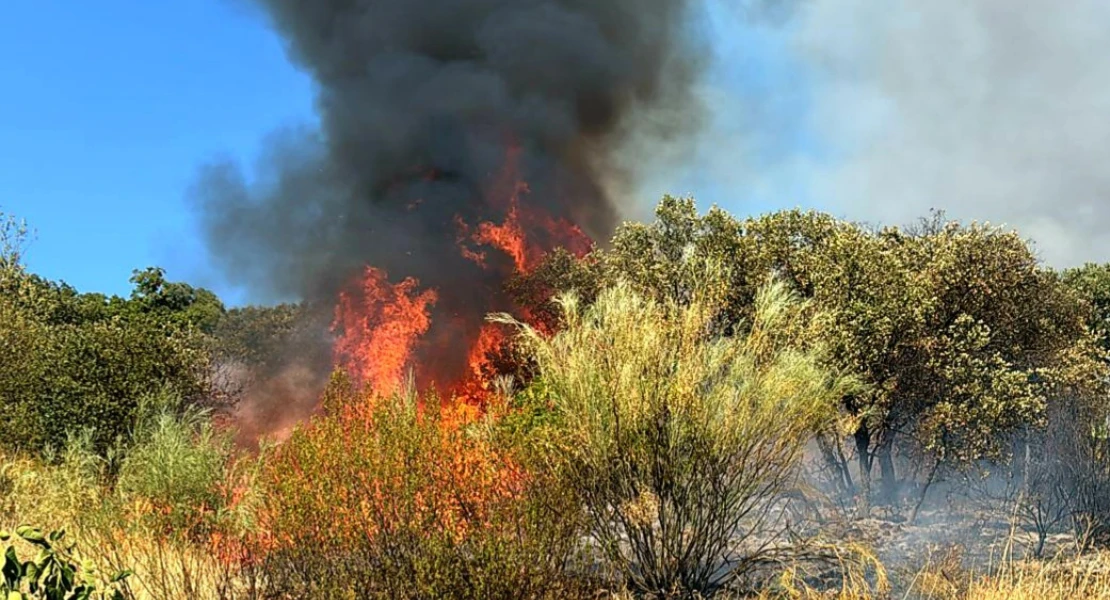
column 66, row 494
column 1084, row 579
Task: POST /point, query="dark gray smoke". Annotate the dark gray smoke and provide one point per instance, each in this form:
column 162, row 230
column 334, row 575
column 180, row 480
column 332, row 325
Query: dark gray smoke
column 419, row 101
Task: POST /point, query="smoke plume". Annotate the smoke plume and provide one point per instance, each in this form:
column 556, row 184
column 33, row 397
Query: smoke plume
column 417, row 101
column 990, row 110
column 432, row 115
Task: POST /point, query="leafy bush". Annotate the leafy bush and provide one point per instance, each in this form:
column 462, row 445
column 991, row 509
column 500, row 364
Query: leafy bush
column 55, row 573
column 56, row 378
column 680, row 440
column 81, row 362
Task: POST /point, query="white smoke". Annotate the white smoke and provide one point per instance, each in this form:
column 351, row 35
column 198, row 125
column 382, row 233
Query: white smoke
column 992, row 110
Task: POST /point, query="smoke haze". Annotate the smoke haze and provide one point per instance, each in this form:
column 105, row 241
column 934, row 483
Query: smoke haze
column 991, row 110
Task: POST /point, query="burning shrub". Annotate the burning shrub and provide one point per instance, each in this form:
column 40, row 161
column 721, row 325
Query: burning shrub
column 680, row 441
column 402, row 499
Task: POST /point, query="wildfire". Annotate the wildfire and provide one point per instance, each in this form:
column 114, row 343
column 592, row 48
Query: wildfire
column 380, row 324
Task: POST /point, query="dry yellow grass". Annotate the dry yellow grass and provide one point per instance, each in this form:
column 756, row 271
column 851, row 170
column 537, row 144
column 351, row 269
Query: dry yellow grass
column 68, row 495
column 1085, row 579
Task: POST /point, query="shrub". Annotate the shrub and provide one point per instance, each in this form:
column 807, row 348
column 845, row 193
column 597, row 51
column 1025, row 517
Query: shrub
column 177, row 471
column 398, row 499
column 55, row 573
column 75, row 362
column 60, row 378
column 678, row 440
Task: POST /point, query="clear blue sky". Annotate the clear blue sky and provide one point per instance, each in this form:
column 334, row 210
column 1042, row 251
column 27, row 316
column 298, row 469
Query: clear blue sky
column 108, row 107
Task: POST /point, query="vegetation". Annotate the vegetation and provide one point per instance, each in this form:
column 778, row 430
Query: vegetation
column 681, row 441
column 54, row 574
column 959, row 336
column 72, row 362
column 695, row 410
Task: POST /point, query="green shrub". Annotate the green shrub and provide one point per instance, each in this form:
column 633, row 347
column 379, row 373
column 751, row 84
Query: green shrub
column 74, row 377
column 74, row 362
column 178, row 465
column 680, row 441
column 55, row 573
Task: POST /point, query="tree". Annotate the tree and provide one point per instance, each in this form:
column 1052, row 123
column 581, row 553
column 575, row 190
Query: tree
column 59, row 379
column 1092, row 282
column 665, row 259
column 72, row 362
column 960, row 336
column 179, row 302
column 259, row 336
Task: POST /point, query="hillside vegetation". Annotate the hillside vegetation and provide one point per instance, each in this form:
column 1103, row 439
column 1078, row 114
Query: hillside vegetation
column 786, row 406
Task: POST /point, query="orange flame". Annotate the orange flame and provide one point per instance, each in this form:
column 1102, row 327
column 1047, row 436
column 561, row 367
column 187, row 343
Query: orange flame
column 526, row 233
column 380, row 324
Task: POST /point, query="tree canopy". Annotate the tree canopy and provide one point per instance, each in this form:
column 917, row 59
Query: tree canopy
column 957, row 331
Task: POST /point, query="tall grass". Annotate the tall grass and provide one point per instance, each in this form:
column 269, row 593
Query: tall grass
column 161, row 506
column 177, row 467
column 682, row 440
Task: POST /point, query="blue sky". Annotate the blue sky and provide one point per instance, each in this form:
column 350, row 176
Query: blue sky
column 107, row 108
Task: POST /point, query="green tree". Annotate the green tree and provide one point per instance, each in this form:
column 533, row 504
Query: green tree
column 1092, row 282
column 960, row 336
column 57, row 379
column 72, row 362
column 177, row 302
column 259, row 336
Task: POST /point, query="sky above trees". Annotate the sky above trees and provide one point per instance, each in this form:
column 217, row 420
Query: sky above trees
column 109, row 108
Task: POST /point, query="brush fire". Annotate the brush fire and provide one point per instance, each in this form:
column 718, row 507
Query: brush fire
column 456, row 144
column 384, row 330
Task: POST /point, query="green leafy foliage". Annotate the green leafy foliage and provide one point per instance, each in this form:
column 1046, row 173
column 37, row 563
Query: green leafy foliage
column 71, row 362
column 55, row 573
column 957, row 332
column 177, row 303
column 1092, row 282
column 261, row 337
